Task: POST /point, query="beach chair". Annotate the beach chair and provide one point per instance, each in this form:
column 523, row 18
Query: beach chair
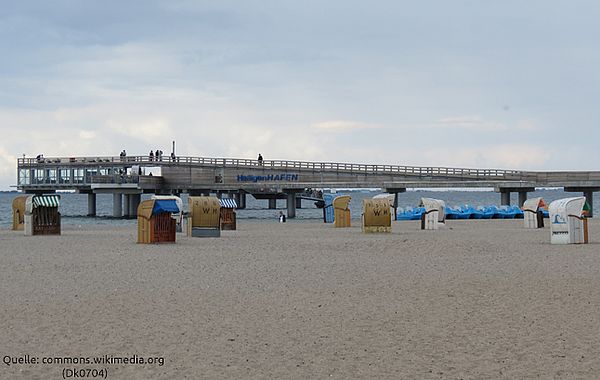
column 177, row 216
column 377, row 215
column 328, row 213
column 341, row 211
column 568, row 221
column 156, row 223
column 533, row 216
column 18, row 208
column 434, row 215
column 204, row 217
column 41, row 215
column 228, row 215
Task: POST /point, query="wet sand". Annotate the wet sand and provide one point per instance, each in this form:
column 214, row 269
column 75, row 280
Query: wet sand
column 303, row 300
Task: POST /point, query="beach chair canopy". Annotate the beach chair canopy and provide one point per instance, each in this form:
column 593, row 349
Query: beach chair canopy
column 388, row 197
column 173, row 197
column 341, row 202
column 228, row 203
column 19, row 202
column 560, row 209
column 431, row 204
column 151, row 207
column 534, row 204
column 165, row 205
column 46, row 201
column 35, row 201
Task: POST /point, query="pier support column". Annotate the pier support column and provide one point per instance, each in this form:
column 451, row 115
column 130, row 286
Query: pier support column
column 241, row 195
column 91, row 204
column 291, row 205
column 395, row 191
column 272, row 203
column 298, row 202
column 505, row 198
column 521, row 190
column 522, row 198
column 117, row 207
column 588, row 193
column 134, row 202
column 589, row 198
column 126, row 202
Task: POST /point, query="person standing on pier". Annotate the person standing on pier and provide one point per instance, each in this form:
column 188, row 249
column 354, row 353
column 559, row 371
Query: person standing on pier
column 260, row 159
column 151, row 156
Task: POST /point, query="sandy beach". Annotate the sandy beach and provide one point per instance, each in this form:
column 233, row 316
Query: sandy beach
column 303, row 300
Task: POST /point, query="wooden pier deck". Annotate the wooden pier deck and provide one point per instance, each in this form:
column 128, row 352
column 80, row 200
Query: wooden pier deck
column 133, row 175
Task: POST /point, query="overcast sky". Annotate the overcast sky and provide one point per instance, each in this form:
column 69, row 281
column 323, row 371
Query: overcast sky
column 499, row 84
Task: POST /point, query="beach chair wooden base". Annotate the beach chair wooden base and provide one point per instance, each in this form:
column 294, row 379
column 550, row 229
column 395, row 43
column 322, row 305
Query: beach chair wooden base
column 43, row 221
column 206, row 232
column 228, row 219
column 377, row 229
column 160, row 228
column 342, row 219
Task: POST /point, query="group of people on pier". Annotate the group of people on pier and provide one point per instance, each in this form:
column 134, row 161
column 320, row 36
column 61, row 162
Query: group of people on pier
column 158, row 155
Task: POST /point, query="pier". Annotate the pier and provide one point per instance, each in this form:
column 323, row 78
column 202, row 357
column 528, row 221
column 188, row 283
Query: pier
column 126, row 178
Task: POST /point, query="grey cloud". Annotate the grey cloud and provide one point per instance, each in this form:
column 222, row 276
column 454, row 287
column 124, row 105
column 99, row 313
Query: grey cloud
column 279, row 66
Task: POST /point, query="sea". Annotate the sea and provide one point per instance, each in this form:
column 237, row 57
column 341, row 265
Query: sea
column 73, row 207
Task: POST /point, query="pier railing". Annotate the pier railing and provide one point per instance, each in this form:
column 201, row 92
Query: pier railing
column 116, row 178
column 416, row 171
column 142, row 180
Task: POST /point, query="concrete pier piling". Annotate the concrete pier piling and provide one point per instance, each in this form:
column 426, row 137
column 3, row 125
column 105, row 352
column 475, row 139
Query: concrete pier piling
column 505, row 198
column 291, row 205
column 134, row 202
column 588, row 193
column 117, row 206
column 589, row 198
column 241, row 199
column 522, row 198
column 272, row 203
column 126, row 209
column 91, row 204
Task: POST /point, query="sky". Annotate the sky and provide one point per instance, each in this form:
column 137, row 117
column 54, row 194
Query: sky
column 458, row 83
